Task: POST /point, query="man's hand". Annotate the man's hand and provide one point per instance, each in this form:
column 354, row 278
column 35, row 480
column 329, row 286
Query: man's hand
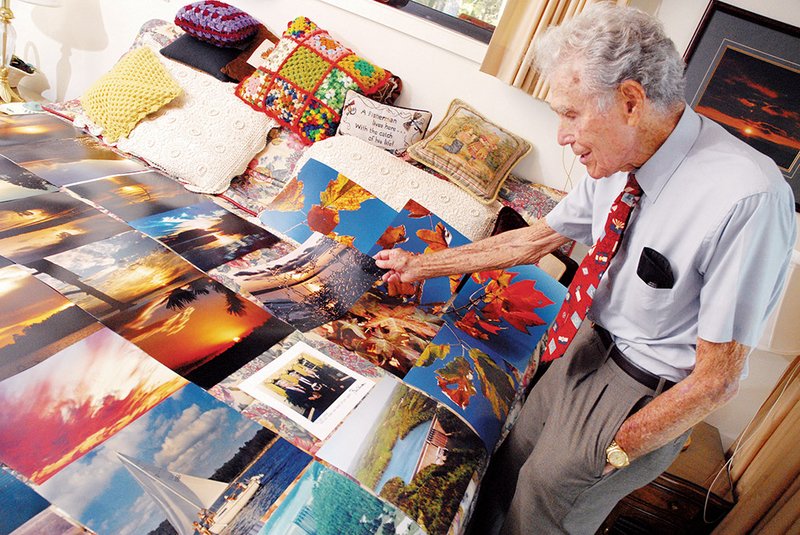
column 402, row 265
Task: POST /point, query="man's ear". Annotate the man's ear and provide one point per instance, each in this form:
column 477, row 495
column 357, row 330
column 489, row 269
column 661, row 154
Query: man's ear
column 633, row 98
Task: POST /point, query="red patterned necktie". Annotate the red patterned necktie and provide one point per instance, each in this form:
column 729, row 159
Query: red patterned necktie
column 581, row 290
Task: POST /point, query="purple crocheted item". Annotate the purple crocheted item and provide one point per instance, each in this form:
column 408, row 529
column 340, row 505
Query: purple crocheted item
column 218, row 23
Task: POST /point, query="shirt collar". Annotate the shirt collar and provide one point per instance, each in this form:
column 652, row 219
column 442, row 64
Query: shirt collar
column 656, row 171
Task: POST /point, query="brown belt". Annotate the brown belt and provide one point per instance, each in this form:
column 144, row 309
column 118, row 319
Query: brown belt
column 643, row 377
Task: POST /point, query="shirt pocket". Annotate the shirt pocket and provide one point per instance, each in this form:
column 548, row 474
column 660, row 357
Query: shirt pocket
column 650, row 308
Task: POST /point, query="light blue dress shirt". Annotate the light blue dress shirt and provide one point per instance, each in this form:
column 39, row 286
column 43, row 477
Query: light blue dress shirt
column 721, row 213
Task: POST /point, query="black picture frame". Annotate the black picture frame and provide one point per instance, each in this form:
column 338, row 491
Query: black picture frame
column 743, row 71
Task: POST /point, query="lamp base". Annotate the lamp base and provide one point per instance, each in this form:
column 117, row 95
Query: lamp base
column 7, row 94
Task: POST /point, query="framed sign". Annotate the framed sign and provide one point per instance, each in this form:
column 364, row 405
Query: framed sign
column 743, row 71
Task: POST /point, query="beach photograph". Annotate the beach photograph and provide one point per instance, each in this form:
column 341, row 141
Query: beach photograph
column 315, row 284
column 189, row 464
column 32, row 128
column 319, row 199
column 35, row 227
column 115, row 274
column 308, row 387
column 201, row 330
column 137, row 195
column 71, row 160
column 417, row 230
column 206, row 234
column 35, row 321
column 313, row 505
column 409, row 449
column 17, row 182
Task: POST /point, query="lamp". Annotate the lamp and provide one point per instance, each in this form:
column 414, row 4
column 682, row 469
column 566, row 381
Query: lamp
column 7, row 41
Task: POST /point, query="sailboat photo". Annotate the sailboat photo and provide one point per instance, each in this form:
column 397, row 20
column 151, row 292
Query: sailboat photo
column 187, row 500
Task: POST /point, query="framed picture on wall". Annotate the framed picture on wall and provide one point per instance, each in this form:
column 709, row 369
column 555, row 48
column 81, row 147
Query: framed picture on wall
column 743, row 71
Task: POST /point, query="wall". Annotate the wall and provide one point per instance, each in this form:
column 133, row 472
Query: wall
column 75, row 44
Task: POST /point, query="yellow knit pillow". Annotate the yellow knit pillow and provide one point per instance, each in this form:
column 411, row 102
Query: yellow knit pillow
column 137, row 86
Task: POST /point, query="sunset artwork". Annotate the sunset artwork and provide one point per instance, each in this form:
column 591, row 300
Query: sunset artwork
column 115, row 274
column 206, row 234
column 137, row 195
column 17, row 182
column 756, row 99
column 61, row 409
column 42, row 225
column 27, row 129
column 35, row 321
column 71, row 160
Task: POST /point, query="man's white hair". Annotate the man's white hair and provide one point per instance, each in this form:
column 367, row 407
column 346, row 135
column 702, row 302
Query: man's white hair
column 609, row 44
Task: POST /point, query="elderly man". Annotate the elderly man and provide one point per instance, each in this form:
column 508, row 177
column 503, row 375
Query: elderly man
column 683, row 272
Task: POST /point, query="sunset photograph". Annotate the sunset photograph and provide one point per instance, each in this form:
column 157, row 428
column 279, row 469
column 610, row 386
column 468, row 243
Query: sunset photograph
column 115, row 274
column 35, row 227
column 26, row 129
column 61, row 409
column 187, row 327
column 72, row 160
column 35, row 321
column 137, row 195
column 206, row 234
column 17, row 182
column 756, row 100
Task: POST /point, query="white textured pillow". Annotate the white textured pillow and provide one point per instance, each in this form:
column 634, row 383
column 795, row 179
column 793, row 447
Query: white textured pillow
column 205, row 137
column 394, row 182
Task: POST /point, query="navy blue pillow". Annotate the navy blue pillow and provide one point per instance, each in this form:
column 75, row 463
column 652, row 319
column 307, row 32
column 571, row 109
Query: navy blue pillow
column 201, row 55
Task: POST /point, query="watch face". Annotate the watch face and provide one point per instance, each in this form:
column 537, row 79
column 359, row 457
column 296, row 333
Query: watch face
column 618, row 458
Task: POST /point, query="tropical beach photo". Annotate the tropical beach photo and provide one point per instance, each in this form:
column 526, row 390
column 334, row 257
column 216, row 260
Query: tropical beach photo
column 413, row 452
column 137, row 195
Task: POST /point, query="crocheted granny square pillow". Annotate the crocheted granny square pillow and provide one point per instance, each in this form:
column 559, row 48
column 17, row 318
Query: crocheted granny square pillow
column 135, row 87
column 304, row 81
column 218, row 23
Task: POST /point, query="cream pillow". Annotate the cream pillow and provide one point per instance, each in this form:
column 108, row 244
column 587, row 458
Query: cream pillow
column 205, row 137
column 135, row 87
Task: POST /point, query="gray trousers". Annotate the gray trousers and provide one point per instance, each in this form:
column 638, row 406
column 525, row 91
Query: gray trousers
column 556, row 451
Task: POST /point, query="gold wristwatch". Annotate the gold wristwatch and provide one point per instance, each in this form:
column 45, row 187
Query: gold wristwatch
column 616, row 456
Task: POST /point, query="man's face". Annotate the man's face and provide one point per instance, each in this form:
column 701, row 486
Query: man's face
column 603, row 140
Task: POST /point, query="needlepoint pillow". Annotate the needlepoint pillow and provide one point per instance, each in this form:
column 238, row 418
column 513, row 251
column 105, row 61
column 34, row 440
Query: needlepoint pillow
column 135, row 87
column 248, row 59
column 218, row 23
column 471, row 151
column 304, row 80
column 389, row 127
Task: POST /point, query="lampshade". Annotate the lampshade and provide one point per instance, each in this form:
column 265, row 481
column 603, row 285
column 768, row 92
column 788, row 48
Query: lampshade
column 45, row 3
column 782, row 335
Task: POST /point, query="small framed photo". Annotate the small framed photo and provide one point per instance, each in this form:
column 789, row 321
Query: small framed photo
column 308, row 387
column 743, row 71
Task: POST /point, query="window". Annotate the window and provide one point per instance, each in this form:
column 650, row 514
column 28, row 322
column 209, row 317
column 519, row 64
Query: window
column 474, row 18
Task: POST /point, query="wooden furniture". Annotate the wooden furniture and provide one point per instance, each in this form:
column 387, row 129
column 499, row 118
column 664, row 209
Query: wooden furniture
column 674, row 503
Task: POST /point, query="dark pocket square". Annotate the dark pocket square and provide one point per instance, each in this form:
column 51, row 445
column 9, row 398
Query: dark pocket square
column 654, row 269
